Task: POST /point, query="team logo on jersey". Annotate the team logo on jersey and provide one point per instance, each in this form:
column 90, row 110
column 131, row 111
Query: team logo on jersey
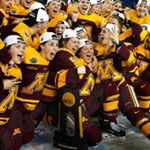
column 13, row 12
column 33, row 60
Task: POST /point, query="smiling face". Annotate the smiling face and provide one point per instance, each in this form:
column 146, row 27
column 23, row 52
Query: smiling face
column 49, row 49
column 104, row 37
column 16, row 52
column 72, row 44
column 142, row 10
column 26, row 3
column 107, row 6
column 117, row 6
column 6, row 5
column 87, row 53
column 84, row 6
column 96, row 9
column 53, row 8
column 60, row 28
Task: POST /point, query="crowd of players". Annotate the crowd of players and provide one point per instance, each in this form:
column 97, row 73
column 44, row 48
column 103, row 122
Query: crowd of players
column 65, row 62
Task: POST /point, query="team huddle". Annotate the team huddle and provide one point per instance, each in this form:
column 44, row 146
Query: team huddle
column 65, row 62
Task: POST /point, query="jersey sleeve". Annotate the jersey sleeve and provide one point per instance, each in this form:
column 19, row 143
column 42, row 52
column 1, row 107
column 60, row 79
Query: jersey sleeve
column 69, row 77
column 129, row 64
column 136, row 34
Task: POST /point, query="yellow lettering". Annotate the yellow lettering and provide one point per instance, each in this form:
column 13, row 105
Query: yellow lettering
column 37, row 85
column 106, row 70
column 88, row 86
column 8, row 102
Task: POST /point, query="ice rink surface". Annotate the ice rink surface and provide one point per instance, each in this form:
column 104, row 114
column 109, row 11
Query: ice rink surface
column 134, row 139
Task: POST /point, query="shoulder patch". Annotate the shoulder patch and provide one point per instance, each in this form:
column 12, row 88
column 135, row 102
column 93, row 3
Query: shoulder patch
column 33, row 60
column 13, row 12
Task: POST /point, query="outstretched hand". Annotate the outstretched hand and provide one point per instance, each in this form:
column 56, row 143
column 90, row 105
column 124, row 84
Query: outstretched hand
column 8, row 83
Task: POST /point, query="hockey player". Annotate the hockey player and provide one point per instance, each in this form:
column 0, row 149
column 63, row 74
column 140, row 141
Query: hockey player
column 117, row 5
column 86, row 52
column 48, row 48
column 106, row 9
column 141, row 15
column 21, row 9
column 110, row 57
column 91, row 22
column 72, row 86
column 31, row 28
column 5, row 9
column 143, row 87
column 34, row 68
column 128, row 30
column 145, row 44
column 4, row 15
column 55, row 14
column 10, row 77
column 60, row 27
column 96, row 7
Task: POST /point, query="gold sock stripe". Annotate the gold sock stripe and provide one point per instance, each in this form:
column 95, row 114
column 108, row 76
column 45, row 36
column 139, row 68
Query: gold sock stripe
column 141, row 122
column 113, row 97
column 144, row 97
column 110, row 106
